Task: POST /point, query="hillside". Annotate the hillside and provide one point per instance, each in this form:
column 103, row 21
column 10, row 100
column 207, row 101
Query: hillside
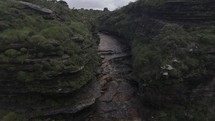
column 172, row 44
column 48, row 61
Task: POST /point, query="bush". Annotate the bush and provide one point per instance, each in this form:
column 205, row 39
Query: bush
column 78, row 27
column 11, row 117
column 37, row 39
column 11, row 53
column 59, row 33
column 15, row 35
column 24, row 76
column 23, row 50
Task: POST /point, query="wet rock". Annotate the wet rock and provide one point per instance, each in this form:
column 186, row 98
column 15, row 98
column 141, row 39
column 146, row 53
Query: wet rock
column 125, row 92
column 120, row 97
column 112, row 90
column 132, row 111
column 106, row 70
column 108, row 78
column 103, row 82
column 99, row 70
column 106, row 52
column 125, row 87
column 102, row 57
column 107, row 107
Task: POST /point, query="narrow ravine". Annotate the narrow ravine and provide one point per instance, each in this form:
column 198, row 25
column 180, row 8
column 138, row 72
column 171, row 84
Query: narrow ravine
column 118, row 100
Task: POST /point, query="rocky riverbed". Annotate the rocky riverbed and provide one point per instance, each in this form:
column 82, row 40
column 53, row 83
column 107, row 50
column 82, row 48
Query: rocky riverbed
column 118, row 101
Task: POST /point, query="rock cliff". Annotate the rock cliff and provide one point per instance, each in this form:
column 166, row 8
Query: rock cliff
column 48, row 61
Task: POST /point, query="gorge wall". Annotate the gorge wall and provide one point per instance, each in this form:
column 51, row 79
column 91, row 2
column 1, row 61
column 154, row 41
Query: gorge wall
column 48, row 61
column 173, row 56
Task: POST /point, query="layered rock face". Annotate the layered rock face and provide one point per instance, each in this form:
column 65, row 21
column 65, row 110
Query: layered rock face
column 48, row 60
column 190, row 11
column 172, row 49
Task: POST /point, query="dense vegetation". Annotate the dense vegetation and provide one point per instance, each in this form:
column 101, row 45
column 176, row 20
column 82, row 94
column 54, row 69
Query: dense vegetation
column 173, row 55
column 44, row 58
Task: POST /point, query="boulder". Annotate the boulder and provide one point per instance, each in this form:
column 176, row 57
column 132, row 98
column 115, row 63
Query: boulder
column 78, row 39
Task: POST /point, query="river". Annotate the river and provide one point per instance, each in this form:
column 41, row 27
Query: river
column 118, row 100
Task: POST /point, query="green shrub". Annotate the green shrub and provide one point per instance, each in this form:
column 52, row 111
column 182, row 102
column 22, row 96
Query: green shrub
column 3, row 113
column 15, row 35
column 153, row 2
column 11, row 53
column 24, row 76
column 78, row 27
column 36, row 39
column 59, row 33
column 11, row 117
column 23, row 50
column 22, row 58
column 3, row 25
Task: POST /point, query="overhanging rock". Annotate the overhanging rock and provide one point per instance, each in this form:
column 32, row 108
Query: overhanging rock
column 36, row 7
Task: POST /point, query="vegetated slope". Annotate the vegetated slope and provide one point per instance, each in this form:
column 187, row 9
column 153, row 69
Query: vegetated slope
column 47, row 55
column 173, row 56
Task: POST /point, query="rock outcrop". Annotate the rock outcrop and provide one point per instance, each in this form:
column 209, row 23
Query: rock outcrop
column 36, row 7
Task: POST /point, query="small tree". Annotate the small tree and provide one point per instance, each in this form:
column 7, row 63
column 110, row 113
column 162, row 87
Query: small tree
column 105, row 10
column 54, row 1
column 63, row 3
